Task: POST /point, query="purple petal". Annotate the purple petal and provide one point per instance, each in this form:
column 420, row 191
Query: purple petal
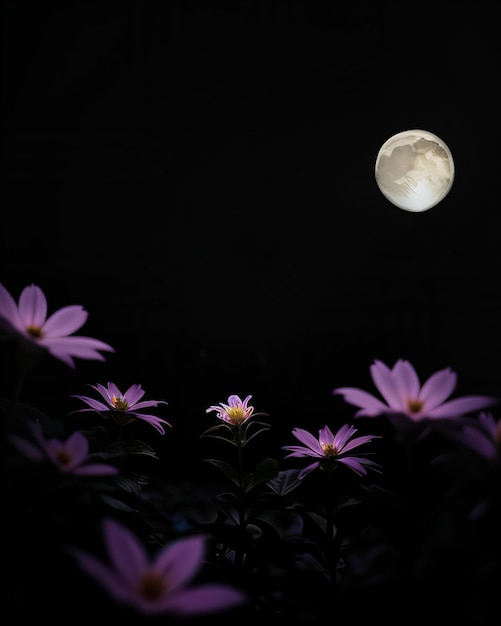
column 438, row 388
column 181, row 560
column 479, row 442
column 65, row 321
column 306, row 470
column 343, row 435
column 95, row 469
column 354, row 464
column 370, row 405
column 153, row 420
column 385, row 381
column 127, row 554
column 406, row 380
column 325, row 436
column 9, row 310
column 133, row 394
column 462, row 406
column 486, row 420
column 206, row 598
column 359, row 441
column 309, row 440
column 301, row 451
column 64, row 348
column 146, row 403
column 77, row 447
column 109, row 391
column 95, row 405
column 32, row 306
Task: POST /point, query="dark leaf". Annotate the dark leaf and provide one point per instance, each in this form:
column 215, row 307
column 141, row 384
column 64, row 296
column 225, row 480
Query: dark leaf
column 285, row 523
column 266, row 470
column 226, row 469
column 284, row 482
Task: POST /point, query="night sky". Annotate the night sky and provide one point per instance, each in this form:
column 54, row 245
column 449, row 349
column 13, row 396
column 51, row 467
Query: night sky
column 200, row 177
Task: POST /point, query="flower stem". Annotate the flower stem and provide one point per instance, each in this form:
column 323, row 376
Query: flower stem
column 239, row 553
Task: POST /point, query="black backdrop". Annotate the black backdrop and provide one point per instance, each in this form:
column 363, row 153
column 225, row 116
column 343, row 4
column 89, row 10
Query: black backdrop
column 200, row 177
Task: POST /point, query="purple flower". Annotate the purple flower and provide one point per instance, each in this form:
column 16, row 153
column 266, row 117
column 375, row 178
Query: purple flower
column 123, row 407
column 70, row 456
column 483, row 436
column 406, row 401
column 28, row 320
column 162, row 583
column 330, row 448
column 236, row 412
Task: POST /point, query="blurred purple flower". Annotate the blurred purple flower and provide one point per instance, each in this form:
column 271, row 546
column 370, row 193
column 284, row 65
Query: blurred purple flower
column 28, row 320
column 330, row 448
column 156, row 584
column 482, row 435
column 236, row 412
column 408, row 403
column 70, row 456
column 123, row 407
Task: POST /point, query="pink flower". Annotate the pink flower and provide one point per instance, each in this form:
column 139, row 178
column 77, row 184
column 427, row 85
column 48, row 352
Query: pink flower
column 28, row 320
column 406, row 401
column 236, row 412
column 330, row 448
column 123, row 407
column 156, row 584
column 70, row 456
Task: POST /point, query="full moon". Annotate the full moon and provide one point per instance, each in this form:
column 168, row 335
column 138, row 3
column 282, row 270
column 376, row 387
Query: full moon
column 414, row 170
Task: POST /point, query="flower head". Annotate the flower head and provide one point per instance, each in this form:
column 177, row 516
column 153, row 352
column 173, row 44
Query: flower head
column 331, row 448
column 28, row 320
column 482, row 435
column 162, row 583
column 70, row 456
column 123, row 407
column 236, row 412
column 406, row 401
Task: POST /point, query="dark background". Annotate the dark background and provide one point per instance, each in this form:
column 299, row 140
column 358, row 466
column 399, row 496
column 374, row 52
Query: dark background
column 200, row 177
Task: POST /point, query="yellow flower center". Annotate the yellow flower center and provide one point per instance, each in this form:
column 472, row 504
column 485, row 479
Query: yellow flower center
column 236, row 414
column 414, row 406
column 152, row 586
column 329, row 449
column 120, row 404
column 35, row 332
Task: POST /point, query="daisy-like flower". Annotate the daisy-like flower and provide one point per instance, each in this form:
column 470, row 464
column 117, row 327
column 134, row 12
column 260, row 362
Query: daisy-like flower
column 156, row 584
column 28, row 321
column 70, row 456
column 482, row 435
column 330, row 449
column 406, row 402
column 236, row 412
column 123, row 407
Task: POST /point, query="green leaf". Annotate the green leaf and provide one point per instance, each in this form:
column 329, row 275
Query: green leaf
column 266, row 470
column 247, row 439
column 285, row 523
column 208, row 431
column 321, row 522
column 117, row 504
column 133, row 482
column 226, row 469
column 285, row 482
column 135, row 446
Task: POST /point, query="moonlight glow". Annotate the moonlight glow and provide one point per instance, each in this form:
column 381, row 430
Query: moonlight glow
column 414, row 170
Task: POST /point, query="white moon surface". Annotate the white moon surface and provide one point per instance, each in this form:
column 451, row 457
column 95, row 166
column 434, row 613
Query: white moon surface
column 414, row 170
